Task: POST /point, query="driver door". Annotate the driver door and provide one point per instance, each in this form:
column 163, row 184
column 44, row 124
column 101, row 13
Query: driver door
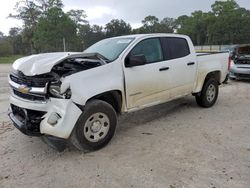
column 145, row 84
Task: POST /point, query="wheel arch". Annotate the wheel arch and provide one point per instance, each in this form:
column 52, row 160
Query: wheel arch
column 215, row 74
column 114, row 98
column 201, row 80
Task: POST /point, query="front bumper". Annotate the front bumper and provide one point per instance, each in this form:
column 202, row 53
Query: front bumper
column 23, row 126
column 240, row 72
column 35, row 119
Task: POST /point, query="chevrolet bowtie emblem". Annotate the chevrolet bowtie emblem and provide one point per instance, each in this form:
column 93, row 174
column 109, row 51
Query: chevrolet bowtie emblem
column 23, row 89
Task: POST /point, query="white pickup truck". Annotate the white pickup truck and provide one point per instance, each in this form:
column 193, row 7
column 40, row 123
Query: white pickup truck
column 76, row 97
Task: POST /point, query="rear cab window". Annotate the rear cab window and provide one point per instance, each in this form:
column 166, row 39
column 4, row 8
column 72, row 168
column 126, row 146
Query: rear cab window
column 174, row 47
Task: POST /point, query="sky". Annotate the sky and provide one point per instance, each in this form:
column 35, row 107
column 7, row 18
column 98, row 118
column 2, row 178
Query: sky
column 133, row 11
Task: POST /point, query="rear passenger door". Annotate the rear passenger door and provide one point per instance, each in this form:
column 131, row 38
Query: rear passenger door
column 182, row 65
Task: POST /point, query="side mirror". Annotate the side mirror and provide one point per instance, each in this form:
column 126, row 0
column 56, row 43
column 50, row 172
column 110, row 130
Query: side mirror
column 134, row 61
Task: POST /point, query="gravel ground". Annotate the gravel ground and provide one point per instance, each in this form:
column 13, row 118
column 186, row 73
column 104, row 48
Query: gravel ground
column 175, row 145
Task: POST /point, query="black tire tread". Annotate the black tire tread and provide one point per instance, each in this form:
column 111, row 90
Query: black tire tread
column 201, row 99
column 77, row 134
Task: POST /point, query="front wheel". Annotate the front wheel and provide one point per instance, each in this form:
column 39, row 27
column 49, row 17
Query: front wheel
column 209, row 94
column 95, row 127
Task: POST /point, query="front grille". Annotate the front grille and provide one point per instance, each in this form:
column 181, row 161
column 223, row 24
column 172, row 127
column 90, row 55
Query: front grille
column 38, row 81
column 242, row 62
column 29, row 96
column 31, row 81
column 242, row 75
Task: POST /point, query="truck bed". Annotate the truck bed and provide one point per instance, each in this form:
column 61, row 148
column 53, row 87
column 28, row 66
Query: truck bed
column 212, row 62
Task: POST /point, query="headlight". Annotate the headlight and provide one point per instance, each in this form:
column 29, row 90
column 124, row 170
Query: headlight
column 55, row 91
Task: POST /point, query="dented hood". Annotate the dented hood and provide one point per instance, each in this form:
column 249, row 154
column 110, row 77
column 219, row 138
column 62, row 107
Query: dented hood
column 40, row 63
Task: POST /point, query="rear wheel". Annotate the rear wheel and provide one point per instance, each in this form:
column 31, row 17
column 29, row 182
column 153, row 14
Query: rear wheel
column 95, row 127
column 209, row 94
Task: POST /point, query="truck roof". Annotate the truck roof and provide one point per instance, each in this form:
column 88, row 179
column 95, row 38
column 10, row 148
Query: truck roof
column 138, row 36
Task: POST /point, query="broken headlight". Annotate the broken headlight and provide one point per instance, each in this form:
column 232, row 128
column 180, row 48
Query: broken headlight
column 55, row 91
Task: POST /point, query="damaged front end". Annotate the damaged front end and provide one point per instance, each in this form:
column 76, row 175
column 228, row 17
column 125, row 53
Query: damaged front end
column 240, row 68
column 41, row 104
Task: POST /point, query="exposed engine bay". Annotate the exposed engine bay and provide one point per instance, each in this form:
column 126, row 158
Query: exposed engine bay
column 241, row 55
column 78, row 63
column 49, row 83
column 74, row 65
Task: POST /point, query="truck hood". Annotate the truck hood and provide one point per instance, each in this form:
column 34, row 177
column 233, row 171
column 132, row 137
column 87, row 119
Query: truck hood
column 40, row 63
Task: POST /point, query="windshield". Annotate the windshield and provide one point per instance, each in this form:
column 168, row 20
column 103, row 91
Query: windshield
column 110, row 48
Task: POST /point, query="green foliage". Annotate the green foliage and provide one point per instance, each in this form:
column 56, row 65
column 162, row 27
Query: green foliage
column 227, row 23
column 88, row 35
column 30, row 11
column 151, row 24
column 9, row 59
column 78, row 16
column 196, row 26
column 16, row 40
column 117, row 27
column 224, row 7
column 52, row 28
column 5, row 48
column 45, row 25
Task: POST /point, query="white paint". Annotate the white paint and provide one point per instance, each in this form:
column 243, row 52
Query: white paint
column 40, row 63
column 65, row 108
column 141, row 86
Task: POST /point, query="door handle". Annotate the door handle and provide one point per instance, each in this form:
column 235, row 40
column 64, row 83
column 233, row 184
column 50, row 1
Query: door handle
column 164, row 69
column 190, row 63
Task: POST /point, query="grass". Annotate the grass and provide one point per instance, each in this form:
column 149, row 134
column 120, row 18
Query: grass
column 9, row 59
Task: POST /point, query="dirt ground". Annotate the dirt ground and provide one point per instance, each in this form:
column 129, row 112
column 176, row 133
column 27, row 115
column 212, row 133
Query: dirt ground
column 174, row 145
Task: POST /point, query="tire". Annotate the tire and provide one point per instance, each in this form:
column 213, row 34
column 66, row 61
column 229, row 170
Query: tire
column 95, row 127
column 209, row 94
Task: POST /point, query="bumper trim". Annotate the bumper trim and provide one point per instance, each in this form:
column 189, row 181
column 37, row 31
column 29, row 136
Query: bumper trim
column 22, row 126
column 66, row 108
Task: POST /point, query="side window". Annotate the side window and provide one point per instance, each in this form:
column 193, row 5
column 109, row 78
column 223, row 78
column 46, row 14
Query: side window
column 150, row 48
column 174, row 47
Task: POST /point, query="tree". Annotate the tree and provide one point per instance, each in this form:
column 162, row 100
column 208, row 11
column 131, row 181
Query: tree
column 117, row 27
column 222, row 7
column 16, row 41
column 167, row 25
column 44, row 5
column 45, row 24
column 150, row 24
column 227, row 23
column 52, row 28
column 232, row 23
column 196, row 26
column 5, row 46
column 78, row 16
column 29, row 12
column 150, row 21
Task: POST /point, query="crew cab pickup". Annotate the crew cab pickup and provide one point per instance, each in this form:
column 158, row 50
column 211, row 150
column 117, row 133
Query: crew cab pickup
column 76, row 97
